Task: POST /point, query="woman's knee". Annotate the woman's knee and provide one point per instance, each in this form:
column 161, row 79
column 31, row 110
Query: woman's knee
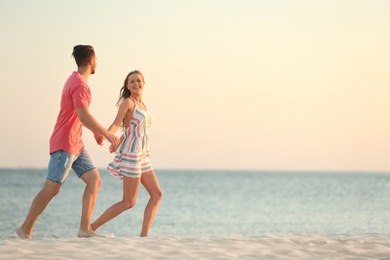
column 157, row 195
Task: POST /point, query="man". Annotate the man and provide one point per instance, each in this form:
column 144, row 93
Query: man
column 67, row 148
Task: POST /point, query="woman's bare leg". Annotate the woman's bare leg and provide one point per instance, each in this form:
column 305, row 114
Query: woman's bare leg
column 150, row 182
column 130, row 192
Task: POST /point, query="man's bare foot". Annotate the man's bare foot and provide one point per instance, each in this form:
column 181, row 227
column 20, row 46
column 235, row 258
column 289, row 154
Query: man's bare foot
column 92, row 228
column 87, row 234
column 22, row 235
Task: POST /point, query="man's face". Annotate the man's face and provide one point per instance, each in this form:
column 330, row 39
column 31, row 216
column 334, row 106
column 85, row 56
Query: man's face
column 94, row 63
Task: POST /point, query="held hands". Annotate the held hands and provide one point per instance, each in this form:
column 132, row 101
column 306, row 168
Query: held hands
column 113, row 139
column 113, row 147
column 99, row 138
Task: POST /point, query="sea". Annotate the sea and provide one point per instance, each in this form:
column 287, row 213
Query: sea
column 215, row 203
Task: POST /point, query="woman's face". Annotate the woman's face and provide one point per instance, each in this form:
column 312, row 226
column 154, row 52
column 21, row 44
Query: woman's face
column 135, row 83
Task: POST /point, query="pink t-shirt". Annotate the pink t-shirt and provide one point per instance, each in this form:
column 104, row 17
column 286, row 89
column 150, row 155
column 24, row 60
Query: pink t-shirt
column 68, row 129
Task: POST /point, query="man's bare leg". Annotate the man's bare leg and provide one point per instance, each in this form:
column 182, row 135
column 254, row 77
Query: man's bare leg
column 93, row 183
column 41, row 200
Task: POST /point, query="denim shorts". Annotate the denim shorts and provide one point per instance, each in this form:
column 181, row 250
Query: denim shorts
column 61, row 162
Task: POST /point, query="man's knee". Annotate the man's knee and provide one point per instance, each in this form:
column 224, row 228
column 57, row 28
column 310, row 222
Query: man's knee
column 92, row 178
column 51, row 188
column 128, row 204
column 98, row 182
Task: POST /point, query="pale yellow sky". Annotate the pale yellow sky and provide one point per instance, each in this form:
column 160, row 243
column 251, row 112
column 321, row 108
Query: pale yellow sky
column 266, row 85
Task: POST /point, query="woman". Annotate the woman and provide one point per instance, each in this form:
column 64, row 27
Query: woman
column 131, row 162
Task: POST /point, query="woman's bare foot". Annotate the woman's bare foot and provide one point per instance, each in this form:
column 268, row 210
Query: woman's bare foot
column 22, row 235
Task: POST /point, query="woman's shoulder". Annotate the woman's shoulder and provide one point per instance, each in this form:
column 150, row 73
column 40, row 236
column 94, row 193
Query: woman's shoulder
column 129, row 101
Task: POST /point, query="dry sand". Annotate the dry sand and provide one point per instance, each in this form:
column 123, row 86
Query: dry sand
column 232, row 247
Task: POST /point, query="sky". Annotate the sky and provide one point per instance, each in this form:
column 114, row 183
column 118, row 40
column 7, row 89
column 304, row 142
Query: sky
column 232, row 85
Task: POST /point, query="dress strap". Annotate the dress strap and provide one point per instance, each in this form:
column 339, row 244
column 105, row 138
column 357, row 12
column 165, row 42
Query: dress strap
column 135, row 103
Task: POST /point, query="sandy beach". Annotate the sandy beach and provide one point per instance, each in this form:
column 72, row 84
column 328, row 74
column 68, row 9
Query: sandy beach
column 232, row 247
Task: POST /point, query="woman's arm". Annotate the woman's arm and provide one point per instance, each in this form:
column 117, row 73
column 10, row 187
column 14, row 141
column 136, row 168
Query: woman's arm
column 127, row 105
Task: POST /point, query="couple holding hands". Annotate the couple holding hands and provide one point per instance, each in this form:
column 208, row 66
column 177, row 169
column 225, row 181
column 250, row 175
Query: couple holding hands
column 131, row 162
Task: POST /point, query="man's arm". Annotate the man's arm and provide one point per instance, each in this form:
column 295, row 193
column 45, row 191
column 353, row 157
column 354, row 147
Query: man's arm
column 98, row 137
column 90, row 122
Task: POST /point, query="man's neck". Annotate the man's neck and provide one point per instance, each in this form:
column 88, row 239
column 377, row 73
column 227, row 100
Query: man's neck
column 84, row 73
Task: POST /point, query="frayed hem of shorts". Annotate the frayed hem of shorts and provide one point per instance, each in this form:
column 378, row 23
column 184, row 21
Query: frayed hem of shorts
column 55, row 181
column 90, row 169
